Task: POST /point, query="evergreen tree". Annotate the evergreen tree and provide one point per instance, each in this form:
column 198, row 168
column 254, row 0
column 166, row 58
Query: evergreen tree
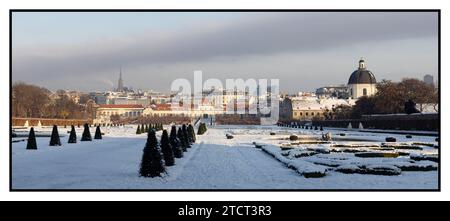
column 31, row 143
column 86, row 136
column 72, row 136
column 175, row 143
column 201, row 129
column 146, row 128
column 138, row 131
column 98, row 133
column 182, row 140
column 410, row 107
column 186, row 135
column 143, row 128
column 151, row 163
column 54, row 139
column 321, row 128
column 191, row 133
column 166, row 149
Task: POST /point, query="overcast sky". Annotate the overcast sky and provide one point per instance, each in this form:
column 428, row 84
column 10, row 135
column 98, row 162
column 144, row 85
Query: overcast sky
column 305, row 50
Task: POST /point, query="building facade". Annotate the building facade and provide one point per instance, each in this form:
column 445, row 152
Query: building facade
column 105, row 111
column 428, row 79
column 340, row 91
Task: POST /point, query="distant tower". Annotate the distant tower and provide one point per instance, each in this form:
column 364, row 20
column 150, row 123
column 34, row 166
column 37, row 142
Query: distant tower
column 120, row 83
column 428, row 79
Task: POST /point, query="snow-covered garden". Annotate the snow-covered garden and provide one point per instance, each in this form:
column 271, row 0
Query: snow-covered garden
column 231, row 157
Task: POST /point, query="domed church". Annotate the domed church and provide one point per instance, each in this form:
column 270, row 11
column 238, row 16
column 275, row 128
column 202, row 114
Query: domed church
column 362, row 82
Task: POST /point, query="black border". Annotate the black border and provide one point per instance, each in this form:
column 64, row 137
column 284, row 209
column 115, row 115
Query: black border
column 11, row 189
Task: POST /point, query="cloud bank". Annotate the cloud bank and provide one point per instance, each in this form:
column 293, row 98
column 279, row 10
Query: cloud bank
column 251, row 36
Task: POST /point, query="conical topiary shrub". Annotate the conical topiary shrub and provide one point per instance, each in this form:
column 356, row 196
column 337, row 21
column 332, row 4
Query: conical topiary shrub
column 166, row 149
column 182, row 140
column 186, row 135
column 175, row 143
column 151, row 163
column 98, row 133
column 31, row 143
column 54, row 139
column 143, row 129
column 86, row 136
column 191, row 133
column 146, row 128
column 201, row 129
column 72, row 136
column 138, row 131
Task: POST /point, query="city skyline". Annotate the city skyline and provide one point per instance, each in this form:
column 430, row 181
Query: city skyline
column 305, row 50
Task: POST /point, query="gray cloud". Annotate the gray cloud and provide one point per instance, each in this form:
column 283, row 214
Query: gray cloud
column 256, row 34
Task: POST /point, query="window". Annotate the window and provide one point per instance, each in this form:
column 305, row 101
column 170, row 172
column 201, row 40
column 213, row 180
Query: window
column 365, row 92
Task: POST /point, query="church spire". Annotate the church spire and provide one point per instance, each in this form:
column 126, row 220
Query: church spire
column 120, row 83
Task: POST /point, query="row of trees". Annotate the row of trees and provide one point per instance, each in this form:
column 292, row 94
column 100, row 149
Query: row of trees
column 31, row 101
column 157, row 155
column 145, row 128
column 178, row 120
column 55, row 139
column 390, row 98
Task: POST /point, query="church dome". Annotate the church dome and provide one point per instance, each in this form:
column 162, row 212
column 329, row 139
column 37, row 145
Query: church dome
column 362, row 75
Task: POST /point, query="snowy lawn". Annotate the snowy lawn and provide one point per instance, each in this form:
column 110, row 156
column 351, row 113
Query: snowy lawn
column 215, row 162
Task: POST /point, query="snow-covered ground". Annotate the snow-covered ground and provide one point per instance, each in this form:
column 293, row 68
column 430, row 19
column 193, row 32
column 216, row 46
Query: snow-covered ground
column 215, row 162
